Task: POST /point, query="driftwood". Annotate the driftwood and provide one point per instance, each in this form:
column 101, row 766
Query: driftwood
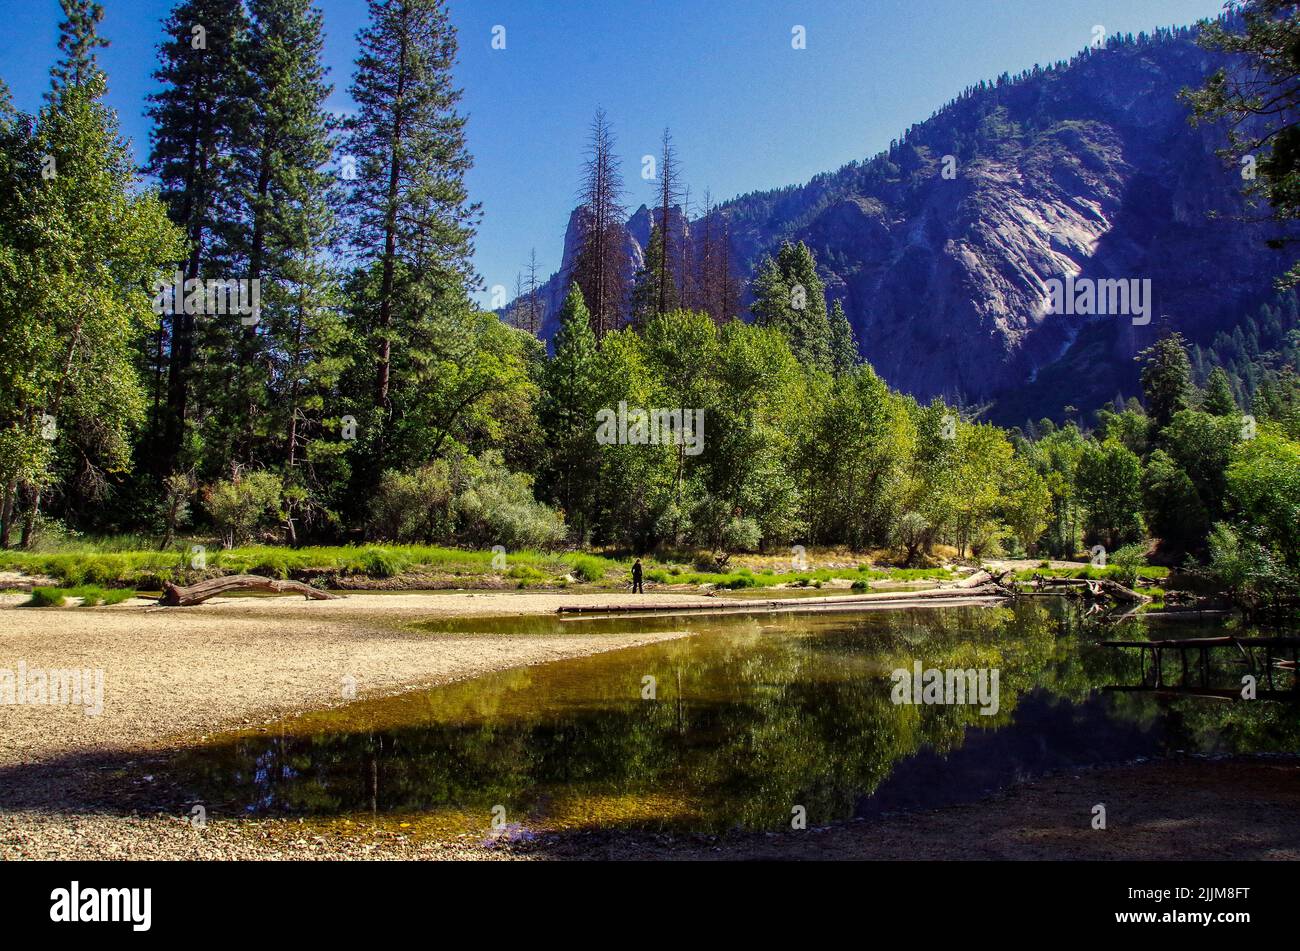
column 989, row 592
column 1116, row 591
column 1100, row 589
column 985, row 577
column 177, row 597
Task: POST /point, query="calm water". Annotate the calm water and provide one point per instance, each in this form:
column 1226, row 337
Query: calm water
column 750, row 717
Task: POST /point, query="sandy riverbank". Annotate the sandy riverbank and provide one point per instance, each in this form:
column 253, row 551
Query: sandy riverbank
column 170, row 673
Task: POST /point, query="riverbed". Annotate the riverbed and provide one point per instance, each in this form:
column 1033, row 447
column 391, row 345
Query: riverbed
column 753, row 734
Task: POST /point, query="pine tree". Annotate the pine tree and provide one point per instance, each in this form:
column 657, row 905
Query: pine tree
column 568, row 409
column 666, row 297
column 78, row 39
column 533, row 308
column 789, row 296
column 284, row 196
column 1166, row 379
column 844, row 343
column 411, row 213
column 1219, row 400
column 195, row 118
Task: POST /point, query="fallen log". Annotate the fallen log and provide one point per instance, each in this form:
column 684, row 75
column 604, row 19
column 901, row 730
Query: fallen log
column 974, row 580
column 755, row 605
column 1116, row 590
column 175, row 596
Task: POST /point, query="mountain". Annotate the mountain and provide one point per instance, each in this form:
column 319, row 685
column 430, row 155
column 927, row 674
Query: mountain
column 1086, row 169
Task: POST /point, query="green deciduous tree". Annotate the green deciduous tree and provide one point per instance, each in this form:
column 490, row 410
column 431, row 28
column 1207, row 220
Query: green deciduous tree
column 80, row 244
column 1109, row 485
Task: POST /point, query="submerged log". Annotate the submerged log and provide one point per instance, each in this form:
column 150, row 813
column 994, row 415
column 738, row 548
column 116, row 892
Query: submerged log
column 177, row 597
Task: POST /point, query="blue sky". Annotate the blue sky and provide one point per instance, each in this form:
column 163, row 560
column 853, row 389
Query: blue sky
column 747, row 111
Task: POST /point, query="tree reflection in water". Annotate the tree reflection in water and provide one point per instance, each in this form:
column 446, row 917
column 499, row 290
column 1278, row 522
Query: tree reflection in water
column 752, row 716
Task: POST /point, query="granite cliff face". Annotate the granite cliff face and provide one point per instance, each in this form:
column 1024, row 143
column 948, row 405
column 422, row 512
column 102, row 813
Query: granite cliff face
column 942, row 247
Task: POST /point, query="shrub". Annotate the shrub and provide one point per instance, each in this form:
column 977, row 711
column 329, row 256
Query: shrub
column 497, row 508
column 240, row 506
column 1247, row 570
column 414, row 506
column 910, row 534
column 1126, row 562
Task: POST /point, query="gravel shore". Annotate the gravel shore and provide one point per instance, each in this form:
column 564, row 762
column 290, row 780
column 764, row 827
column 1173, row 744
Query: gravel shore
column 172, row 673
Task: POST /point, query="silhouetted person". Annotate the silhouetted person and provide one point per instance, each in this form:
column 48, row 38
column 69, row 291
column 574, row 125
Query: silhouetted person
column 637, row 587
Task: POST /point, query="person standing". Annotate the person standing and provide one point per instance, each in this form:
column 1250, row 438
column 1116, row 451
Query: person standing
column 637, row 587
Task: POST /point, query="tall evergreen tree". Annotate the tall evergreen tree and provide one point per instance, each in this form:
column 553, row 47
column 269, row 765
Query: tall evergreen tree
column 284, row 194
column 568, row 410
column 412, row 218
column 1219, row 400
column 195, row 115
column 789, row 296
column 669, row 241
column 654, row 291
column 78, row 39
column 844, row 343
column 1166, row 379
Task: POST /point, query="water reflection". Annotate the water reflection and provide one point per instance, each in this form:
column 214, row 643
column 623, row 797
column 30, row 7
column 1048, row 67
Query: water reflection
column 751, row 717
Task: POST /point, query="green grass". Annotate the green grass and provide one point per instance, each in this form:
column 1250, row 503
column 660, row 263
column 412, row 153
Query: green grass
column 745, row 578
column 147, row 570
column 1092, row 572
column 46, row 598
column 89, row 595
column 103, row 566
column 592, row 568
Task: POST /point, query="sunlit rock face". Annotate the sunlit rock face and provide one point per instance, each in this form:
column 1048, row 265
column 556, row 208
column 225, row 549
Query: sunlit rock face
column 941, row 249
column 1089, row 170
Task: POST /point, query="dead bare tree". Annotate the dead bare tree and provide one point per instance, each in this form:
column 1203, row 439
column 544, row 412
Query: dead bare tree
column 600, row 267
column 669, row 195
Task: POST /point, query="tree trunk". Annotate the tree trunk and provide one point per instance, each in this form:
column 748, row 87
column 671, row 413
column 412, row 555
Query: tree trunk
column 176, row 596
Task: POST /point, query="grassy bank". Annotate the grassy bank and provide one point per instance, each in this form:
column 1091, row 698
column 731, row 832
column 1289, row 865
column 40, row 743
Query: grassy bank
column 1093, row 572
column 111, row 564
